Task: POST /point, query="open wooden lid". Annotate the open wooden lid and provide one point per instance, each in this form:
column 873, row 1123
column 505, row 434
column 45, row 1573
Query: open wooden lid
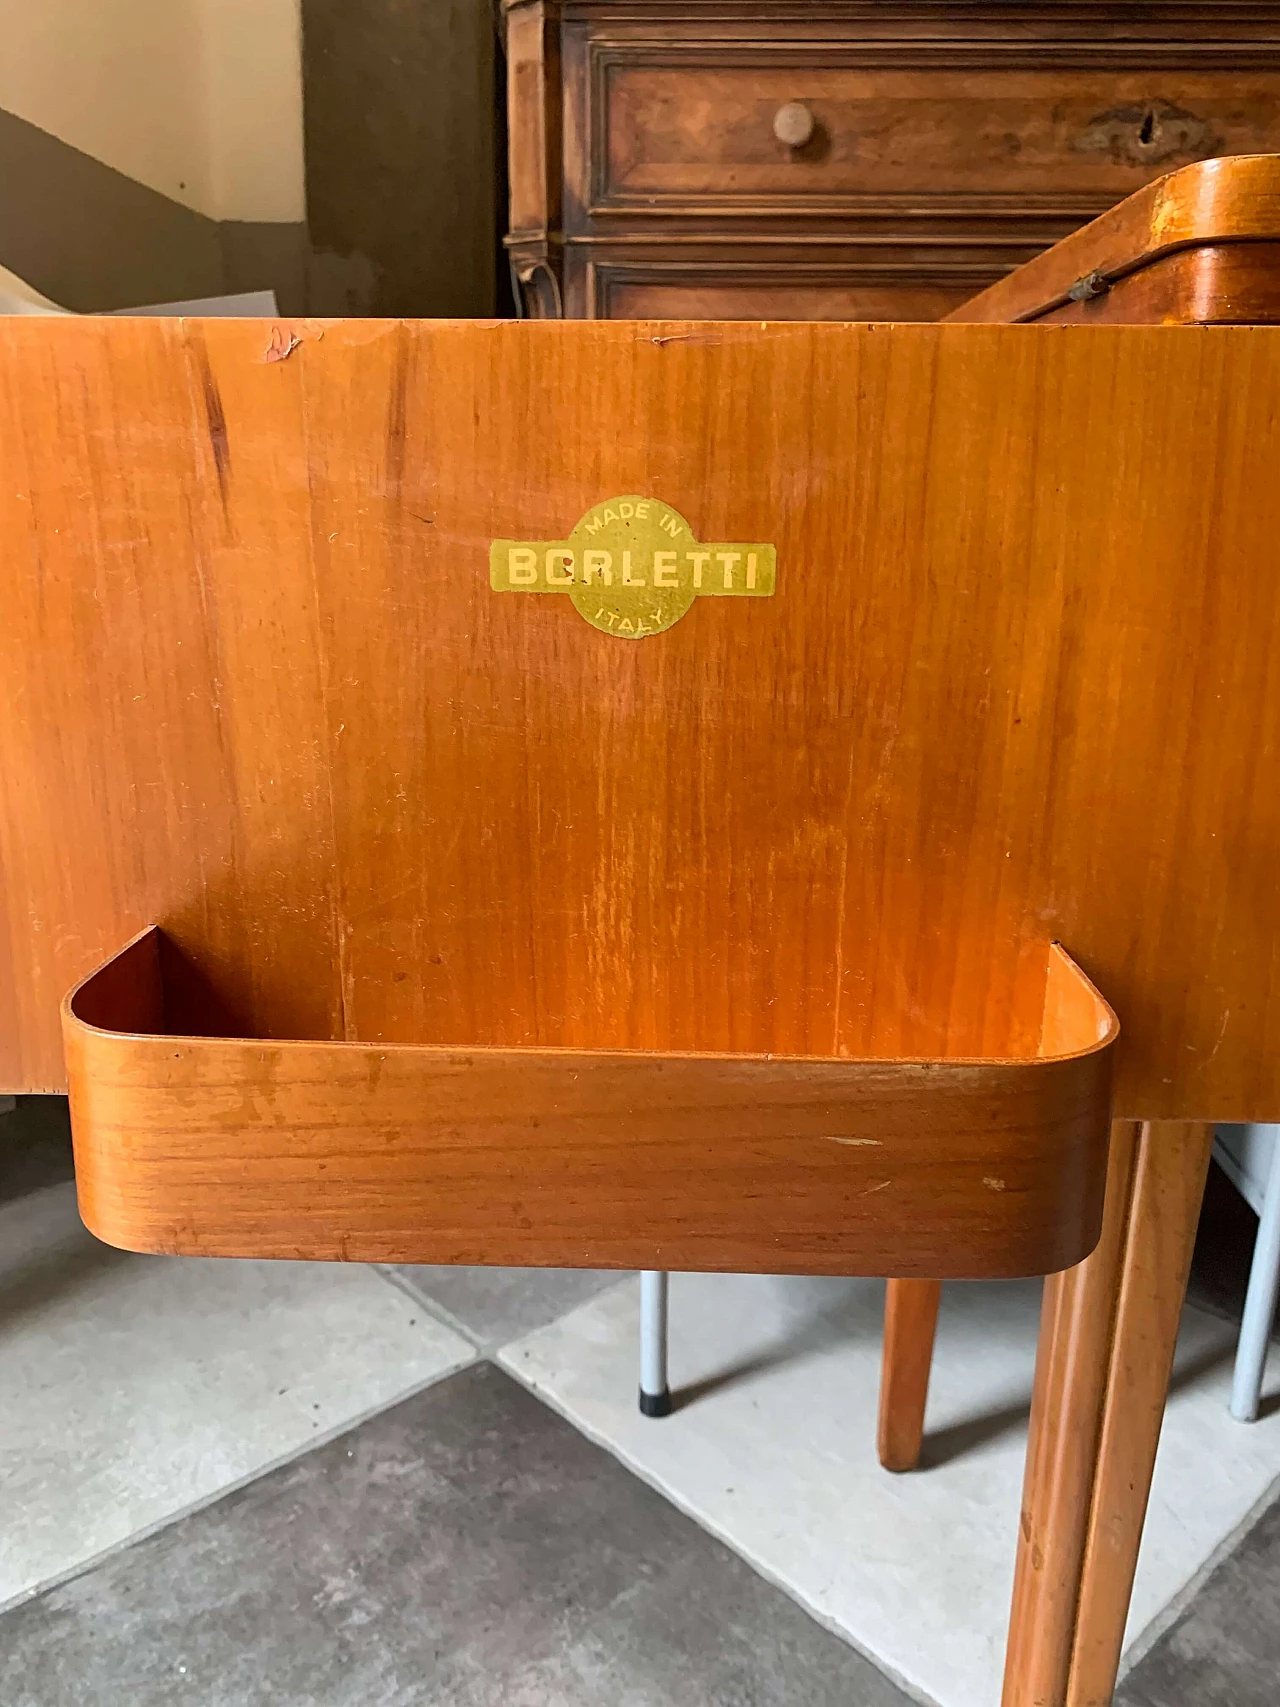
column 1215, row 206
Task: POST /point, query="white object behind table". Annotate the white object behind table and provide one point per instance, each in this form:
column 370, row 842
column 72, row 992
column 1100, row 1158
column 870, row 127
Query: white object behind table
column 1249, row 1155
column 18, row 297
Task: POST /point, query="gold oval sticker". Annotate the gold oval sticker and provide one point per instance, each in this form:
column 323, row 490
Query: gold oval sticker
column 632, row 567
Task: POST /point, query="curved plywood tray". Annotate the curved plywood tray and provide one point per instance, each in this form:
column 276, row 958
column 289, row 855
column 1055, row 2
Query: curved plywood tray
column 228, row 1146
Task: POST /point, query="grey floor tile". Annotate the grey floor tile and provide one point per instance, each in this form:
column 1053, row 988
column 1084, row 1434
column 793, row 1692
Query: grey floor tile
column 466, row 1549
column 772, row 1447
column 132, row 1387
column 1225, row 1649
column 495, row 1305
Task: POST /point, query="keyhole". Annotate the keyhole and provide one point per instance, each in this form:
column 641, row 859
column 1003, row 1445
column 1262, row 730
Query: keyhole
column 1148, row 129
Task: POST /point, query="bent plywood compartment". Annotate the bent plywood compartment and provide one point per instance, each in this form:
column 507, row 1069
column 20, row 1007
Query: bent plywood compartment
column 614, row 1158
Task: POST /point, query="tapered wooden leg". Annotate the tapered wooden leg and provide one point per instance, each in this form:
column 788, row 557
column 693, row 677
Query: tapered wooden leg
column 1167, row 1192
column 910, row 1318
column 1107, row 1335
column 1076, row 1320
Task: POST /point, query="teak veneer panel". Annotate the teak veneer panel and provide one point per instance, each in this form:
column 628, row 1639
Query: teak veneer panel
column 587, row 1158
column 1017, row 684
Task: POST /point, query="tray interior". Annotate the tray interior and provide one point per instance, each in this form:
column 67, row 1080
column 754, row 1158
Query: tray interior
column 155, row 988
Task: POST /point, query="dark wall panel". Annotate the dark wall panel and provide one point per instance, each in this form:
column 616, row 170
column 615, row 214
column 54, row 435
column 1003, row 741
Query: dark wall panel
column 401, row 155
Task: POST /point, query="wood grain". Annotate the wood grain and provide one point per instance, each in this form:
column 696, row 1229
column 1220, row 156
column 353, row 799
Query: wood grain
column 231, row 1147
column 689, row 127
column 1217, row 284
column 1077, row 1321
column 760, row 282
column 910, row 1321
column 534, row 154
column 1108, row 1328
column 255, row 688
column 1231, row 276
column 948, row 144
column 1211, row 206
column 1168, row 1186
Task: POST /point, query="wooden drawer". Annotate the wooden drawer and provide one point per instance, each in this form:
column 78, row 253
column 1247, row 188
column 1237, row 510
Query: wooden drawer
column 649, row 294
column 746, row 281
column 908, row 128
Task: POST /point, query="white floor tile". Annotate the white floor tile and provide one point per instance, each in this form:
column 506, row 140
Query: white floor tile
column 132, row 1387
column 776, row 1454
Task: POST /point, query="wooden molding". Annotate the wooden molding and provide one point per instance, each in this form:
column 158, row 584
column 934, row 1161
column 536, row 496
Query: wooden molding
column 1013, row 52
column 602, row 275
column 945, row 16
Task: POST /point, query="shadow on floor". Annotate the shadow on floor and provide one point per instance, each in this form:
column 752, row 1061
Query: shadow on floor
column 35, row 1147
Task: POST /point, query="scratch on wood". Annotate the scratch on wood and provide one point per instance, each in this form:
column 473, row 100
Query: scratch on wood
column 397, row 413
column 832, row 1139
column 685, row 338
column 215, row 421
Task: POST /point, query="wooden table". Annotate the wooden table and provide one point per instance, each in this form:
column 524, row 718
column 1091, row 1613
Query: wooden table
column 1198, row 248
column 705, row 925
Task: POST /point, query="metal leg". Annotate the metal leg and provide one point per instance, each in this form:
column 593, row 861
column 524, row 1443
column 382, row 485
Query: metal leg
column 1260, row 1302
column 655, row 1395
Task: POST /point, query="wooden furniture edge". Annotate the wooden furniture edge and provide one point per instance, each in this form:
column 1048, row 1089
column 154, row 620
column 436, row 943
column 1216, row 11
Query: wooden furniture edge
column 629, row 1159
column 1234, row 199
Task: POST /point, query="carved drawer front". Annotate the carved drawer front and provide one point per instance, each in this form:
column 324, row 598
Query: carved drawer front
column 718, row 297
column 675, row 130
column 623, row 286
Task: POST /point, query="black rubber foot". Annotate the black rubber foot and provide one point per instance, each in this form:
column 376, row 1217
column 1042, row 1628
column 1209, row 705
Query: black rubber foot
column 655, row 1404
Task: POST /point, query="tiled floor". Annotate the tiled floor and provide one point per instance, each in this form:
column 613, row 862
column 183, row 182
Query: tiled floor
column 1225, row 1648
column 132, row 1388
column 496, row 1305
column 238, row 1483
column 466, row 1547
column 777, row 1454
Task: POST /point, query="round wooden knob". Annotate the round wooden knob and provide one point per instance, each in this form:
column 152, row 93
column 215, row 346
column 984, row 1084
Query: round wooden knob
column 793, row 124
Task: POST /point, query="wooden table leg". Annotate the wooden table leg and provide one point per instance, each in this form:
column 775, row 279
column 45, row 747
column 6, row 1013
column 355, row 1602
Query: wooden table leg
column 910, row 1318
column 1173, row 1160
column 1076, row 1320
column 1107, row 1336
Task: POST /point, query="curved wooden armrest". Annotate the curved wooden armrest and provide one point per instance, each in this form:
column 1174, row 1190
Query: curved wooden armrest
column 226, row 1146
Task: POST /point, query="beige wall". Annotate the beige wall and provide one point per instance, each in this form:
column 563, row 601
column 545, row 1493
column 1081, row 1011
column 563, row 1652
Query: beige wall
column 198, row 99
column 152, row 150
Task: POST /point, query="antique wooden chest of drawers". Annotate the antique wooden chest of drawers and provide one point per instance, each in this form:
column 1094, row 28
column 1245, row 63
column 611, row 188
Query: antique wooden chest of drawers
column 823, row 159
